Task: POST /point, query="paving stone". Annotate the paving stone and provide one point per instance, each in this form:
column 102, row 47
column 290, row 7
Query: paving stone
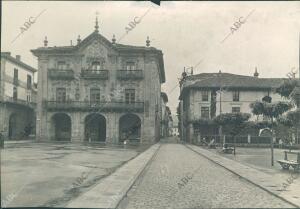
column 210, row 186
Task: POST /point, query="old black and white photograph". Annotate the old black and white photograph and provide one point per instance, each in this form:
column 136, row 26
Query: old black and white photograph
column 150, row 104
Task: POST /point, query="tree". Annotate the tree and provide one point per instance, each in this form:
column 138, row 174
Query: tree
column 233, row 122
column 292, row 119
column 271, row 111
column 286, row 89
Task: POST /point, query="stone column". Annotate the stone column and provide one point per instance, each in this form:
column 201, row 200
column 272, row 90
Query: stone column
column 76, row 130
column 42, row 96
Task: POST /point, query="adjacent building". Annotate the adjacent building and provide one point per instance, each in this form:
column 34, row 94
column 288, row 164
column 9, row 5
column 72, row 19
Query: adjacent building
column 99, row 90
column 17, row 97
column 164, row 115
column 207, row 95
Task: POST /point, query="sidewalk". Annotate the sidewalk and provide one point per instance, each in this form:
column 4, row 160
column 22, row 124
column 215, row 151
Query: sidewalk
column 19, row 141
column 269, row 183
column 111, row 190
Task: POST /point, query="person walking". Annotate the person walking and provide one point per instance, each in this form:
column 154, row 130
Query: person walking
column 280, row 143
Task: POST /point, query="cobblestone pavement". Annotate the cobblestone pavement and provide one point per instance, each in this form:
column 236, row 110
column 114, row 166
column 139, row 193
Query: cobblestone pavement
column 206, row 185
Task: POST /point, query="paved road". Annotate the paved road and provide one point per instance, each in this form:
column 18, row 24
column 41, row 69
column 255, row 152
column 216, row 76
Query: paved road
column 206, row 185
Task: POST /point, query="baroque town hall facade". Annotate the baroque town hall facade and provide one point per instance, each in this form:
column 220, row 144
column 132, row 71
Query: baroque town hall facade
column 99, row 90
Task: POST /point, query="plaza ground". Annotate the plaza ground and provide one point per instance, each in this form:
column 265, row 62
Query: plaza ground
column 259, row 158
column 172, row 176
column 52, row 174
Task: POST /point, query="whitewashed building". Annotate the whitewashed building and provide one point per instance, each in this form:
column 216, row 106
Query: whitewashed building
column 17, row 97
column 207, row 95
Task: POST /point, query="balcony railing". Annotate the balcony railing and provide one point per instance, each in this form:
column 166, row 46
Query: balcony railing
column 94, row 106
column 21, row 102
column 130, row 74
column 94, row 74
column 61, row 74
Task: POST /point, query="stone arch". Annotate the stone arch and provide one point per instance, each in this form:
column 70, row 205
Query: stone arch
column 95, row 128
column 266, row 132
column 12, row 126
column 62, row 126
column 129, row 127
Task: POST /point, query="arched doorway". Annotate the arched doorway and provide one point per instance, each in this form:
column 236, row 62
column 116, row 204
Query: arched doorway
column 12, row 126
column 62, row 127
column 129, row 128
column 95, row 128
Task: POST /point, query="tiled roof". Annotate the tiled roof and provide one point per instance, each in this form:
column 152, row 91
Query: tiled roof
column 7, row 56
column 91, row 36
column 229, row 81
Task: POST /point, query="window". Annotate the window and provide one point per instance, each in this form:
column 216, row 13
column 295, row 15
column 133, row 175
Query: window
column 236, row 96
column 15, row 93
column 129, row 96
column 204, row 112
column 28, row 81
column 96, row 66
column 130, row 66
column 95, row 95
column 204, row 95
column 61, row 65
column 236, row 109
column 16, row 76
column 61, row 94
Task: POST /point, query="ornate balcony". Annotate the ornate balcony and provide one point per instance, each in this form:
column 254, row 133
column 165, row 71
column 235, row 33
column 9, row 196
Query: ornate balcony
column 130, row 74
column 60, row 74
column 94, row 74
column 94, row 106
column 19, row 102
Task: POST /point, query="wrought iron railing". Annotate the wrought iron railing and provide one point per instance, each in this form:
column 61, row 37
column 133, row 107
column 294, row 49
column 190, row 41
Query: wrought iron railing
column 94, row 74
column 60, row 74
column 94, row 106
column 130, row 74
column 16, row 101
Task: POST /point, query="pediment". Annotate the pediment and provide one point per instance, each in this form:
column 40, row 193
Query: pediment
column 96, row 48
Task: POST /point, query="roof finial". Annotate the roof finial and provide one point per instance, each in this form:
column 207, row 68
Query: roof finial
column 256, row 74
column 114, row 39
column 45, row 41
column 78, row 39
column 97, row 26
column 148, row 41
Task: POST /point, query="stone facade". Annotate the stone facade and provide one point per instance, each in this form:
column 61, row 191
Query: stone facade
column 17, row 97
column 105, row 91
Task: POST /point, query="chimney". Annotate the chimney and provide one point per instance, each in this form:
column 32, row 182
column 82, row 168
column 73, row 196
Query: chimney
column 256, row 74
column 18, row 57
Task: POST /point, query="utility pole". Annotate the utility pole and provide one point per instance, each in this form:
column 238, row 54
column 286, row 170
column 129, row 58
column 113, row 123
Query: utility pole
column 272, row 143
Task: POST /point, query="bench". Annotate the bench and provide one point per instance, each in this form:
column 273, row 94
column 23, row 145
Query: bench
column 227, row 149
column 286, row 163
column 212, row 144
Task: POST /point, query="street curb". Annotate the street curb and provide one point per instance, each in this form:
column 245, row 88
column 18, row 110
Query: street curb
column 270, row 189
column 111, row 190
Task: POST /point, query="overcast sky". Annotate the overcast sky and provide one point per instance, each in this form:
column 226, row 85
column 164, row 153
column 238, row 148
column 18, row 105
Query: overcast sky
column 186, row 32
